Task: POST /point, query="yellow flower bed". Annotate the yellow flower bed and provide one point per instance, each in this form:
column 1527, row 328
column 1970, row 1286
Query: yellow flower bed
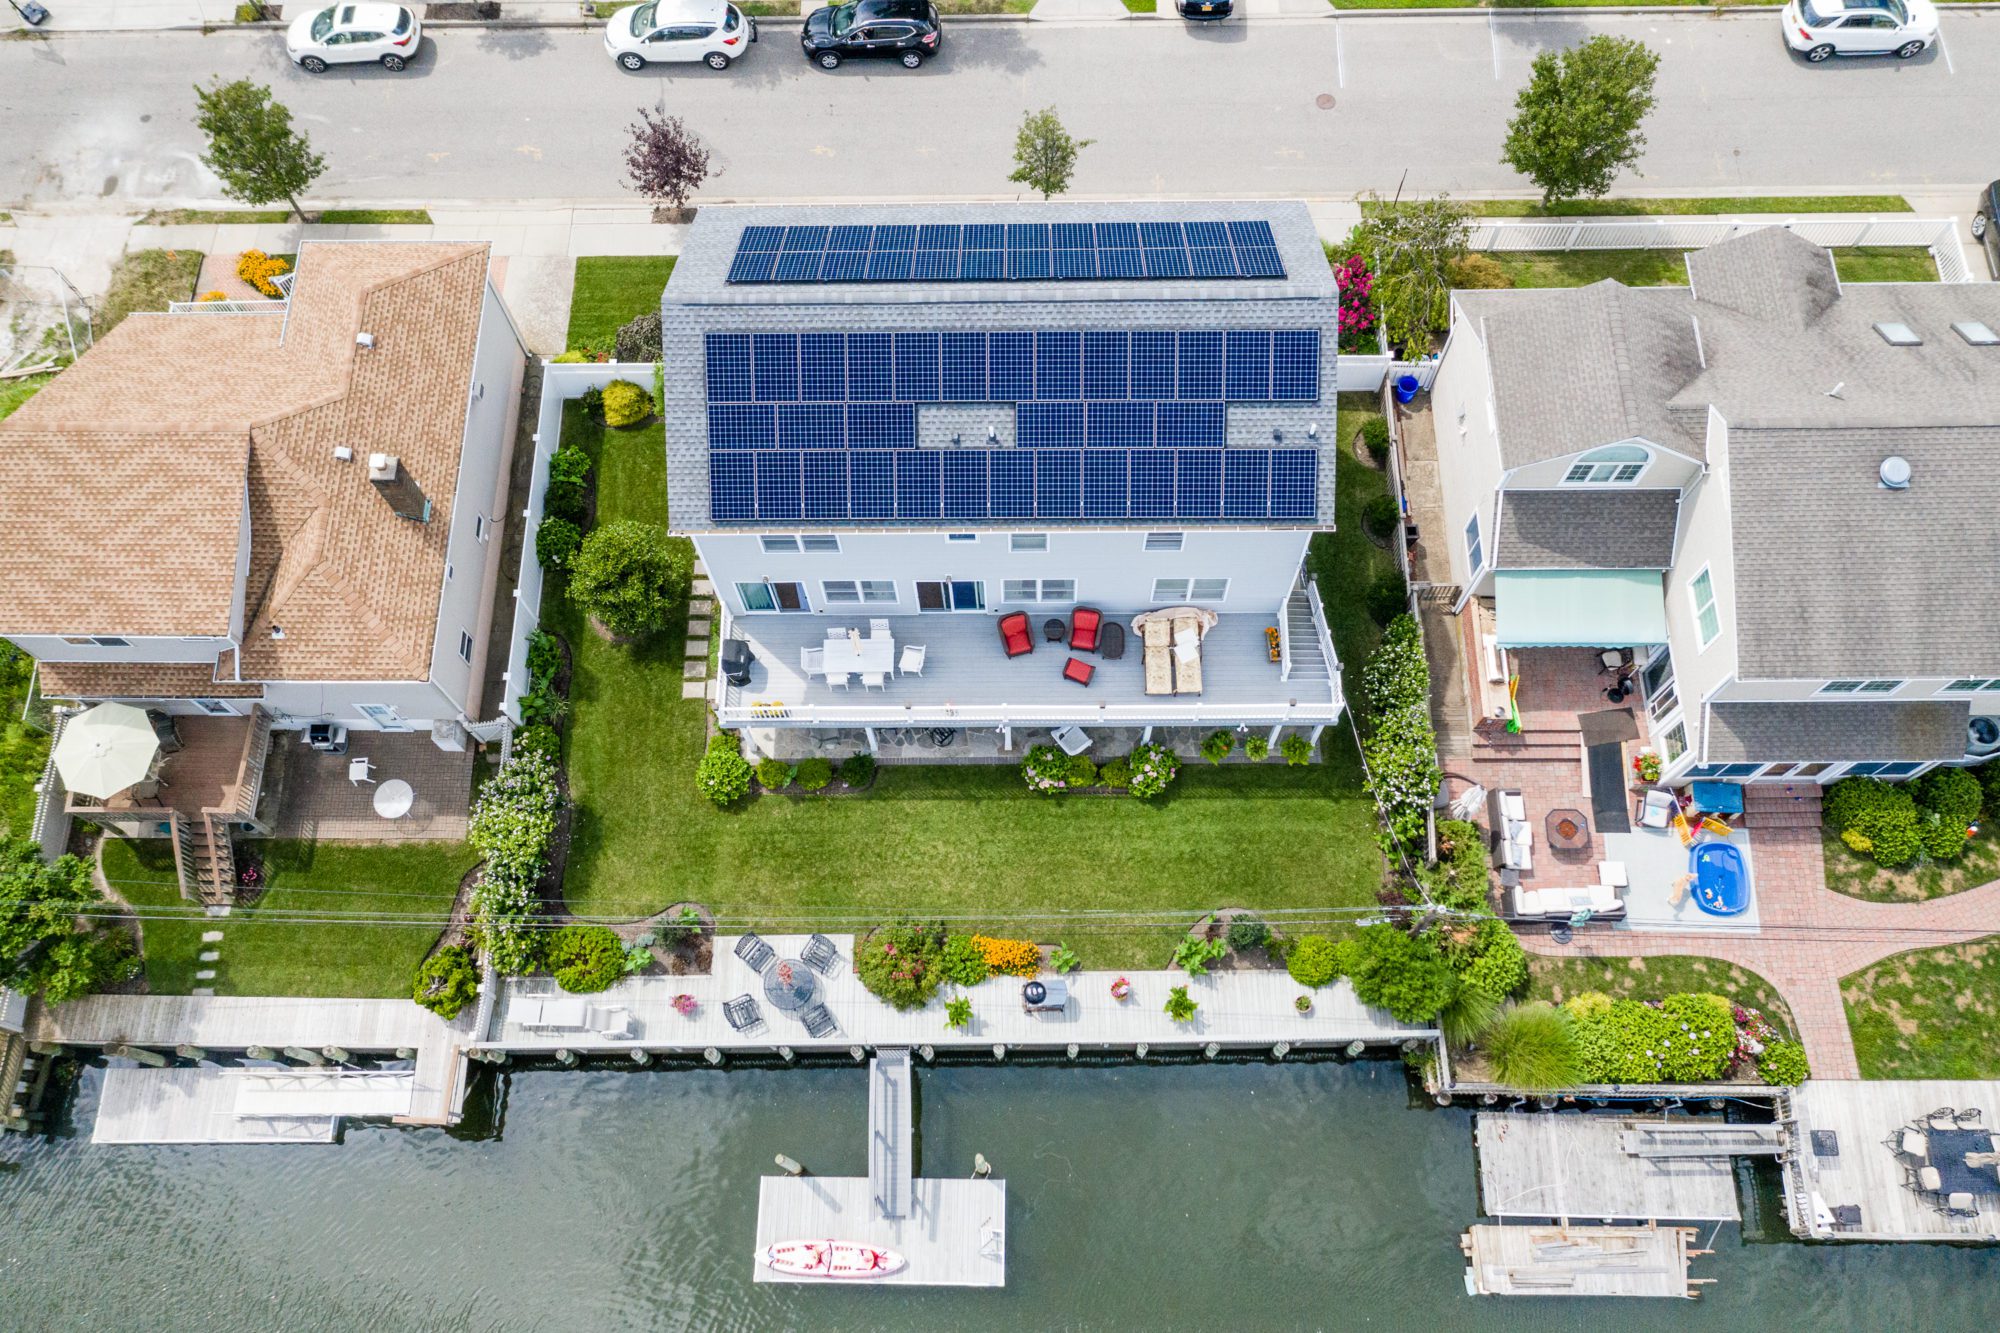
column 258, row 269
column 214, row 296
column 1018, row 958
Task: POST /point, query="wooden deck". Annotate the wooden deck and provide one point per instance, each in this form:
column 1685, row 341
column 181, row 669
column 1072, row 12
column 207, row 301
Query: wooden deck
column 1579, row 1261
column 1863, row 1172
column 142, row 1105
column 1574, row 1166
column 891, row 1109
column 956, row 1235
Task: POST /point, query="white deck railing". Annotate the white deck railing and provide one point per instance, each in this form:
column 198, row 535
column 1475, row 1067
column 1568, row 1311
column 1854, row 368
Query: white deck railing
column 259, row 307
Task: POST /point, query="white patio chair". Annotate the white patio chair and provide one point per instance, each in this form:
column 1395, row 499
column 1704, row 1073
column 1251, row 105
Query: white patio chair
column 1658, row 808
column 837, row 680
column 878, row 629
column 912, row 663
column 1073, row 740
column 875, row 680
column 813, row 661
column 358, row 769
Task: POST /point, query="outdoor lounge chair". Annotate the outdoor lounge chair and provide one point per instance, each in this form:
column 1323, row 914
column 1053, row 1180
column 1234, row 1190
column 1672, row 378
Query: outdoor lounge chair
column 820, row 954
column 752, row 950
column 819, row 1022
column 743, row 1014
column 1959, row 1204
column 1657, row 808
column 1914, row 1144
column 1015, row 636
column 1084, row 623
column 609, row 1020
column 1158, row 637
column 1187, row 655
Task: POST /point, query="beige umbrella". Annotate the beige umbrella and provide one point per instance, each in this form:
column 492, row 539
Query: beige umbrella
column 105, row 750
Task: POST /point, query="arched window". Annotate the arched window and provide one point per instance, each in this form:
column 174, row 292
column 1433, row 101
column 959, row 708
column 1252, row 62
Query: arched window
column 1613, row 465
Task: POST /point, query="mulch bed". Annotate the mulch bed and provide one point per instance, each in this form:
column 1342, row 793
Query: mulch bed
column 486, row 10
column 691, row 957
column 458, row 926
column 1215, row 926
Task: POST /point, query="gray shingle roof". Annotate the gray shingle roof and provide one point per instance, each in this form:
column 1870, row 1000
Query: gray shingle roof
column 1769, row 274
column 1587, row 529
column 1838, row 577
column 1821, row 732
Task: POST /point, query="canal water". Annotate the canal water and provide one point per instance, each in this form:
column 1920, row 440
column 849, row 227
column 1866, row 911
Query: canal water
column 1307, row 1196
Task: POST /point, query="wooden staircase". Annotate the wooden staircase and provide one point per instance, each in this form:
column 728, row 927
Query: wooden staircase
column 1540, row 738
column 1772, row 805
column 204, row 859
column 1302, row 639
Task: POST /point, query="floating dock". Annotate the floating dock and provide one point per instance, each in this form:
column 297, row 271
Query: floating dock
column 1579, row 1166
column 193, row 1106
column 1532, row 1260
column 1844, row 1179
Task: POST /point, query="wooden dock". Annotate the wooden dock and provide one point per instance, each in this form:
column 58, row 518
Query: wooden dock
column 955, row 1235
column 891, row 1108
column 141, row 1105
column 1575, row 1166
column 1531, row 1260
column 1842, row 1164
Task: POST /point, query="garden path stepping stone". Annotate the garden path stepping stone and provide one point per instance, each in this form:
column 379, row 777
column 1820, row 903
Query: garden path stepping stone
column 210, row 936
column 700, row 627
column 701, row 606
column 208, row 956
column 202, row 990
column 697, row 670
column 206, row 974
column 703, row 588
column 697, row 648
column 694, row 689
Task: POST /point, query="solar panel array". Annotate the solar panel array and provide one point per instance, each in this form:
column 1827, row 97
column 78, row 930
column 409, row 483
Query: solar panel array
column 1007, row 252
column 1109, row 425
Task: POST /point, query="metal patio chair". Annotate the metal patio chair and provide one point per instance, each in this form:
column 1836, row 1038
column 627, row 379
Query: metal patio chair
column 753, row 951
column 820, row 954
column 819, row 1023
column 743, row 1014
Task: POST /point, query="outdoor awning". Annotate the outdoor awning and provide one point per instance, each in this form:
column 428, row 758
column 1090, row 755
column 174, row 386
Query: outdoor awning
column 1579, row 608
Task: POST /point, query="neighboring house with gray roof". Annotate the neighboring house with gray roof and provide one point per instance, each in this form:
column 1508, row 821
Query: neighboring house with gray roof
column 1778, row 485
column 940, row 416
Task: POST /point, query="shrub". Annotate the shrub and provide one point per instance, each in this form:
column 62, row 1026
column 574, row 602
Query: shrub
column 630, row 577
column 1357, row 305
column 899, row 963
column 259, row 269
column 1952, row 794
column 207, row 297
column 626, row 404
column 963, row 961
column 1380, row 515
column 1402, row 974
column 857, row 770
column 511, row 825
column 1257, row 748
column 1685, row 1038
column 540, row 739
column 1297, row 750
column 723, row 775
column 1082, row 771
column 1117, row 773
column 545, row 657
column 1700, row 1040
column 814, row 773
column 773, row 774
column 1180, row 1007
column 570, row 358
column 1314, row 961
column 569, row 464
column 1466, row 1014
column 1063, row 959
column 1396, row 674
column 447, row 981
column 1942, row 839
column 1045, row 769
column 1485, row 954
column 1783, row 1064
column 586, row 958
column 958, row 1013
column 1388, row 597
column 639, row 340
column 1533, row 1047
column 1216, row 746
column 1014, row 958
column 1400, row 754
column 1375, row 438
column 1460, row 879
column 1850, row 798
column 1193, row 956
column 564, row 500
column 1476, row 272
column 592, row 398
column 638, row 957
column 1247, row 933
column 1153, row 768
column 556, row 542
column 1988, row 774
column 1891, row 833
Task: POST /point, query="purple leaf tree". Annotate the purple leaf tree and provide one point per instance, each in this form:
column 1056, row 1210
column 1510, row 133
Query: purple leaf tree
column 666, row 159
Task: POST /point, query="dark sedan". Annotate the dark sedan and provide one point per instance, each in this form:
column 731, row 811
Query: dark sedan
column 1986, row 225
column 1205, row 9
column 906, row 31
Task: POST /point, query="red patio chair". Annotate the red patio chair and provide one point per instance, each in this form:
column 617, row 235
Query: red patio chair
column 1083, row 625
column 1015, row 636
column 1078, row 670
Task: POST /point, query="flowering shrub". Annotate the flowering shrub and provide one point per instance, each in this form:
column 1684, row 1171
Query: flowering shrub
column 258, row 269
column 1121, row 989
column 1783, row 1064
column 213, row 296
column 1396, row 675
column 512, row 823
column 899, row 963
column 686, row 1006
column 556, row 543
column 1046, row 770
column 1687, row 1038
column 1014, row 958
column 1357, row 304
column 723, row 775
column 1646, row 765
column 1403, row 774
column 1153, row 767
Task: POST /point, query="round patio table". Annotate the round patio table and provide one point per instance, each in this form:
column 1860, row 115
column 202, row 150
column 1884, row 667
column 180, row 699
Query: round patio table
column 790, row 985
column 1568, row 830
column 394, row 798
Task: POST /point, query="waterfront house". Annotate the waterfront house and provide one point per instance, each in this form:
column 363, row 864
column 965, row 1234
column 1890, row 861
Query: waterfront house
column 1007, row 467
column 1766, row 494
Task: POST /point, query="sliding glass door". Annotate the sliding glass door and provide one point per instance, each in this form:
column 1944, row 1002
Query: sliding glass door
column 951, row 595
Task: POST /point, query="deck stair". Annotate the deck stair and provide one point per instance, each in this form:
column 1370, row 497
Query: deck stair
column 1701, row 1138
column 891, row 1106
column 1541, row 736
column 1772, row 805
column 1302, row 639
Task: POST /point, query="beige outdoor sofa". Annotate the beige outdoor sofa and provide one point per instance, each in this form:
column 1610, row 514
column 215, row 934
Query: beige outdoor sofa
column 1172, row 640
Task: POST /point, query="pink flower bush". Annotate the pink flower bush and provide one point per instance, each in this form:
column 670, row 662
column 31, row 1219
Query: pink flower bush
column 1357, row 292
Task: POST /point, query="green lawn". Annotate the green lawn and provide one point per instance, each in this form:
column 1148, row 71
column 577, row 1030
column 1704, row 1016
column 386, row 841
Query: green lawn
column 147, row 280
column 1345, row 562
column 1932, row 1013
column 967, row 842
column 1666, row 268
column 24, row 750
column 269, row 949
column 1885, row 263
column 1556, row 979
column 1142, row 6
column 610, row 291
column 1859, row 877
column 1685, row 207
column 15, row 392
column 381, row 217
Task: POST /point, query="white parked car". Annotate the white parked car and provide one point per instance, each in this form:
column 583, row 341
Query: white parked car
column 1817, row 29
column 714, row 32
column 352, row 35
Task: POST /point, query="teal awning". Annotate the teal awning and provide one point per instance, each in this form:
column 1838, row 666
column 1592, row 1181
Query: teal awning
column 1579, row 608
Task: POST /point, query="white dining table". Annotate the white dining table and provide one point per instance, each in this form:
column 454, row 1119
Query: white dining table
column 855, row 656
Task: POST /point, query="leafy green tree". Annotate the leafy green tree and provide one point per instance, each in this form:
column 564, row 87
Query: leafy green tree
column 630, row 577
column 1576, row 123
column 1045, row 153
column 47, row 947
column 1401, row 973
column 1410, row 245
column 252, row 145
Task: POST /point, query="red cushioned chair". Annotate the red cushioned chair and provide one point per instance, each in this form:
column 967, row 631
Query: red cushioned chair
column 1015, row 636
column 1078, row 670
column 1083, row 626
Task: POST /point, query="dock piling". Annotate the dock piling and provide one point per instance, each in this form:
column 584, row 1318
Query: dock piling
column 929, row 1053
column 45, row 1047
column 1073, row 1049
column 999, row 1050
column 260, row 1053
column 712, row 1055
column 566, row 1058
column 859, row 1053
column 1140, row 1050
column 1212, row 1050
column 340, row 1055
column 406, row 1052
column 139, row 1053
column 1281, row 1050
column 304, row 1056
column 1356, row 1049
column 789, row 1167
column 642, row 1058
column 787, row 1054
column 187, row 1052
column 981, row 1168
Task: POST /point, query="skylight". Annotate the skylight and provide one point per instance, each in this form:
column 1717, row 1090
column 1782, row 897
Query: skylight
column 1899, row 335
column 1976, row 333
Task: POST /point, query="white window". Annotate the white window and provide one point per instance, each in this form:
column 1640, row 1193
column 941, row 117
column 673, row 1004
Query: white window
column 383, row 716
column 1475, row 551
column 215, row 707
column 1164, row 541
column 1209, row 590
column 1020, row 590
column 819, row 543
column 1708, row 621
column 465, row 645
column 961, row 536
column 1614, row 465
column 1028, row 541
column 781, row 545
column 1190, row 590
column 479, row 526
column 1674, row 742
column 1039, row 590
column 852, row 592
column 1860, row 687
column 1970, row 685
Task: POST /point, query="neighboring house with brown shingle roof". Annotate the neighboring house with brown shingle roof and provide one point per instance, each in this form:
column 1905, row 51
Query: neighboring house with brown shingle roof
column 299, row 508
column 1709, row 463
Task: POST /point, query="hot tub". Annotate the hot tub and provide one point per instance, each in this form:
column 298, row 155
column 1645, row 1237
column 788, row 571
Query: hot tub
column 1721, row 880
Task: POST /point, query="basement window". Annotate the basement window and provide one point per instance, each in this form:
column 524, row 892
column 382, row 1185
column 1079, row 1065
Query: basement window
column 1898, row 335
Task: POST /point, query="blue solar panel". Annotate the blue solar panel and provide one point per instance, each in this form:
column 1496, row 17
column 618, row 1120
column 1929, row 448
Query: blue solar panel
column 798, row 266
column 889, row 266
column 805, row 238
column 1104, row 483
column 1027, row 265
column 1152, row 483
column 1166, row 263
column 1104, row 365
column 823, row 367
column 1118, row 425
column 870, row 368
column 1207, row 235
column 917, row 483
column 1294, row 483
column 1027, row 236
column 964, row 368
column 871, row 484
column 1152, row 365
column 881, row 426
column 985, row 236
column 1049, row 425
column 1246, row 483
column 1259, row 262
column 1020, row 252
column 1073, row 236
column 741, row 426
column 1011, row 358
column 935, row 266
column 1295, row 365
column 1120, row 263
column 1191, row 425
column 1073, row 263
column 1011, row 483
column 732, row 486
column 1122, row 234
column 917, row 367
column 728, row 357
column 1252, row 233
column 1217, row 262
column 850, row 238
column 1200, row 365
column 778, row 494
column 1248, row 374
column 825, row 485
column 898, row 237
column 1058, row 483
column 1198, row 483
column 982, row 265
column 811, row 426
column 761, row 238
column 844, row 266
column 1058, row 365
column 753, row 266
column 964, row 482
column 933, row 236
column 775, row 357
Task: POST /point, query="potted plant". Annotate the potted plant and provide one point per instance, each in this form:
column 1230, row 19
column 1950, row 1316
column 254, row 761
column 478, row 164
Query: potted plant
column 1121, row 989
column 958, row 1013
column 686, row 1005
column 1304, row 1004
column 1647, row 765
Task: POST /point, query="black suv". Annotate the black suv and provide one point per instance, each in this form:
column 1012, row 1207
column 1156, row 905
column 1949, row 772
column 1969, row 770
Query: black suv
column 1204, row 9
column 1986, row 225
column 905, row 30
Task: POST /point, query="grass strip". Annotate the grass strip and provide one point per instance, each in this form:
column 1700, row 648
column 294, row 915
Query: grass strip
column 609, row 292
column 1683, row 207
column 1931, row 1013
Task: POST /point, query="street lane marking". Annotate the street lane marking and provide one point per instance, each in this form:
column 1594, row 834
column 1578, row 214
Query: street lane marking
column 1947, row 55
column 1339, row 56
column 1493, row 36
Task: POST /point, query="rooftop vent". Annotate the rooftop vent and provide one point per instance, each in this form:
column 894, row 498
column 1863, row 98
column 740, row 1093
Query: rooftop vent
column 1895, row 473
column 277, row 631
column 1898, row 335
column 405, row 497
column 1976, row 333
column 345, row 453
column 365, row 341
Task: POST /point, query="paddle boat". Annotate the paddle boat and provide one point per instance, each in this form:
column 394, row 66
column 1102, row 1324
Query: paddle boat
column 831, row 1259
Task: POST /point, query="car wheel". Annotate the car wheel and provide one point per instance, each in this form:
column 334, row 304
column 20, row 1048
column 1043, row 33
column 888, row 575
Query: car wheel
column 1819, row 53
column 829, row 60
column 393, row 62
column 1908, row 49
column 633, row 61
column 1978, row 226
column 312, row 65
column 716, row 60
column 912, row 59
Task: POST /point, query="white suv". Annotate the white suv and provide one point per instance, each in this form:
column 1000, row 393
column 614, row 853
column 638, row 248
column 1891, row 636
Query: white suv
column 711, row 31
column 1817, row 29
column 352, row 35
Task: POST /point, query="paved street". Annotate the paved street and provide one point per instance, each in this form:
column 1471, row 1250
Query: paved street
column 1228, row 110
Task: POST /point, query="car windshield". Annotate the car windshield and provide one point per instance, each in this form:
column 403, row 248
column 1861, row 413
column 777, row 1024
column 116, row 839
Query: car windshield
column 642, row 18
column 843, row 19
column 322, row 24
column 402, row 22
column 1813, row 17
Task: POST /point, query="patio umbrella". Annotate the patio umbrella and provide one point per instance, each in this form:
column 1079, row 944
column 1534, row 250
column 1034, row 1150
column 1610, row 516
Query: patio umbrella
column 105, row 750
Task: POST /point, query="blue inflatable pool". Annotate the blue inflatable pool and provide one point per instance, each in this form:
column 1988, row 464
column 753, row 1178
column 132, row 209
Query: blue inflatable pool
column 1721, row 880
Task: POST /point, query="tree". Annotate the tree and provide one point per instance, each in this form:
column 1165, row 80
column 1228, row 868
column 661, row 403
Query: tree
column 252, row 146
column 47, row 947
column 1410, row 245
column 1577, row 120
column 1045, row 154
column 629, row 577
column 666, row 159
